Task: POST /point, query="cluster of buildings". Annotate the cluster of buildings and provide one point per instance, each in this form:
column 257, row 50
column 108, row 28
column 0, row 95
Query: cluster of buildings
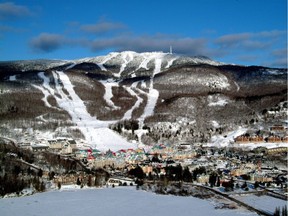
column 277, row 134
column 154, row 159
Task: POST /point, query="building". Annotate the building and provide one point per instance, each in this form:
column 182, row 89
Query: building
column 39, row 148
column 242, row 139
column 277, row 128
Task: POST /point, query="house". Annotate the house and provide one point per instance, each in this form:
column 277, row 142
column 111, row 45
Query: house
column 274, row 139
column 277, row 128
column 117, row 181
column 147, row 169
column 63, row 145
column 242, row 139
column 39, row 148
column 285, row 139
column 184, row 146
column 256, row 139
column 202, row 179
column 54, row 145
column 25, row 145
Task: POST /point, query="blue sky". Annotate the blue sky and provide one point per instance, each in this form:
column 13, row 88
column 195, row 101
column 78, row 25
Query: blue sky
column 249, row 32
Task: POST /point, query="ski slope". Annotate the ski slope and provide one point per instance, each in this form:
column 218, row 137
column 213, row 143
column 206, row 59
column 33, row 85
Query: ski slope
column 96, row 132
column 153, row 94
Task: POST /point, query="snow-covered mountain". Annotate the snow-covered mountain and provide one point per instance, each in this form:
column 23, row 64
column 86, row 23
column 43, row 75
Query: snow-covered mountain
column 126, row 63
column 126, row 99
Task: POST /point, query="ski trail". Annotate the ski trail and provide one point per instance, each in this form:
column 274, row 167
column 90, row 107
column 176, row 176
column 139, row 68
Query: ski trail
column 46, row 94
column 145, row 62
column 101, row 64
column 128, row 114
column 237, row 86
column 46, row 90
column 125, row 55
column 169, row 63
column 70, row 66
column 153, row 94
column 108, row 95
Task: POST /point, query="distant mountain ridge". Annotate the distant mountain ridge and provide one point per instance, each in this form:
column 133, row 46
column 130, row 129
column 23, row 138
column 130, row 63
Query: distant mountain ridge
column 121, row 60
column 145, row 97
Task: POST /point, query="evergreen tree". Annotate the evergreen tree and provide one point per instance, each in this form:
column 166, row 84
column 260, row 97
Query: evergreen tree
column 187, row 176
column 277, row 211
column 59, row 185
column 284, row 211
column 256, row 184
column 212, row 179
column 218, row 182
column 40, row 173
column 89, row 182
column 137, row 172
column 78, row 181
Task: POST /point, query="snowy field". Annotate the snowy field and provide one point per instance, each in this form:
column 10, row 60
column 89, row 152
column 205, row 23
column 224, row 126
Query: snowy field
column 265, row 203
column 125, row 201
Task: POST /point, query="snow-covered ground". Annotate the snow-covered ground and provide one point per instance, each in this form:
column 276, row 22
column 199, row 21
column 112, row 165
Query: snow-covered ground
column 125, row 201
column 265, row 203
column 228, row 140
column 225, row 140
column 12, row 78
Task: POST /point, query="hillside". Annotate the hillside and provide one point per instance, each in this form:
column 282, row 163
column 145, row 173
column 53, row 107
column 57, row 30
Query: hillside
column 124, row 99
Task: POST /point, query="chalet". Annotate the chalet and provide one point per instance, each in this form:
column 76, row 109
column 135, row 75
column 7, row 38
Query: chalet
column 277, row 128
column 242, row 139
column 25, row 145
column 274, row 139
column 39, row 148
column 285, row 139
column 55, row 145
column 256, row 139
column 63, row 145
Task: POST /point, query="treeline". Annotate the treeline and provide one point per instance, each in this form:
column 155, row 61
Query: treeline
column 172, row 173
column 20, row 169
column 16, row 175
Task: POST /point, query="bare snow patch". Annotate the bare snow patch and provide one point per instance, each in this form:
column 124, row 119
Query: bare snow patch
column 12, row 78
column 217, row 100
column 225, row 140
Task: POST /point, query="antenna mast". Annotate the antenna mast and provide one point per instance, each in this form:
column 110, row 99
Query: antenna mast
column 170, row 49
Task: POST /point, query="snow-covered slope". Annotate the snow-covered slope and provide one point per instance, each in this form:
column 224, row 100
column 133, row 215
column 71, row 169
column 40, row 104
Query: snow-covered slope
column 204, row 98
column 96, row 132
column 128, row 63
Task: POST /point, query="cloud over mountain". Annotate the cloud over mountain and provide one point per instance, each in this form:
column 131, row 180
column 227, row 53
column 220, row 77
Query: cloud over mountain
column 47, row 42
column 102, row 27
